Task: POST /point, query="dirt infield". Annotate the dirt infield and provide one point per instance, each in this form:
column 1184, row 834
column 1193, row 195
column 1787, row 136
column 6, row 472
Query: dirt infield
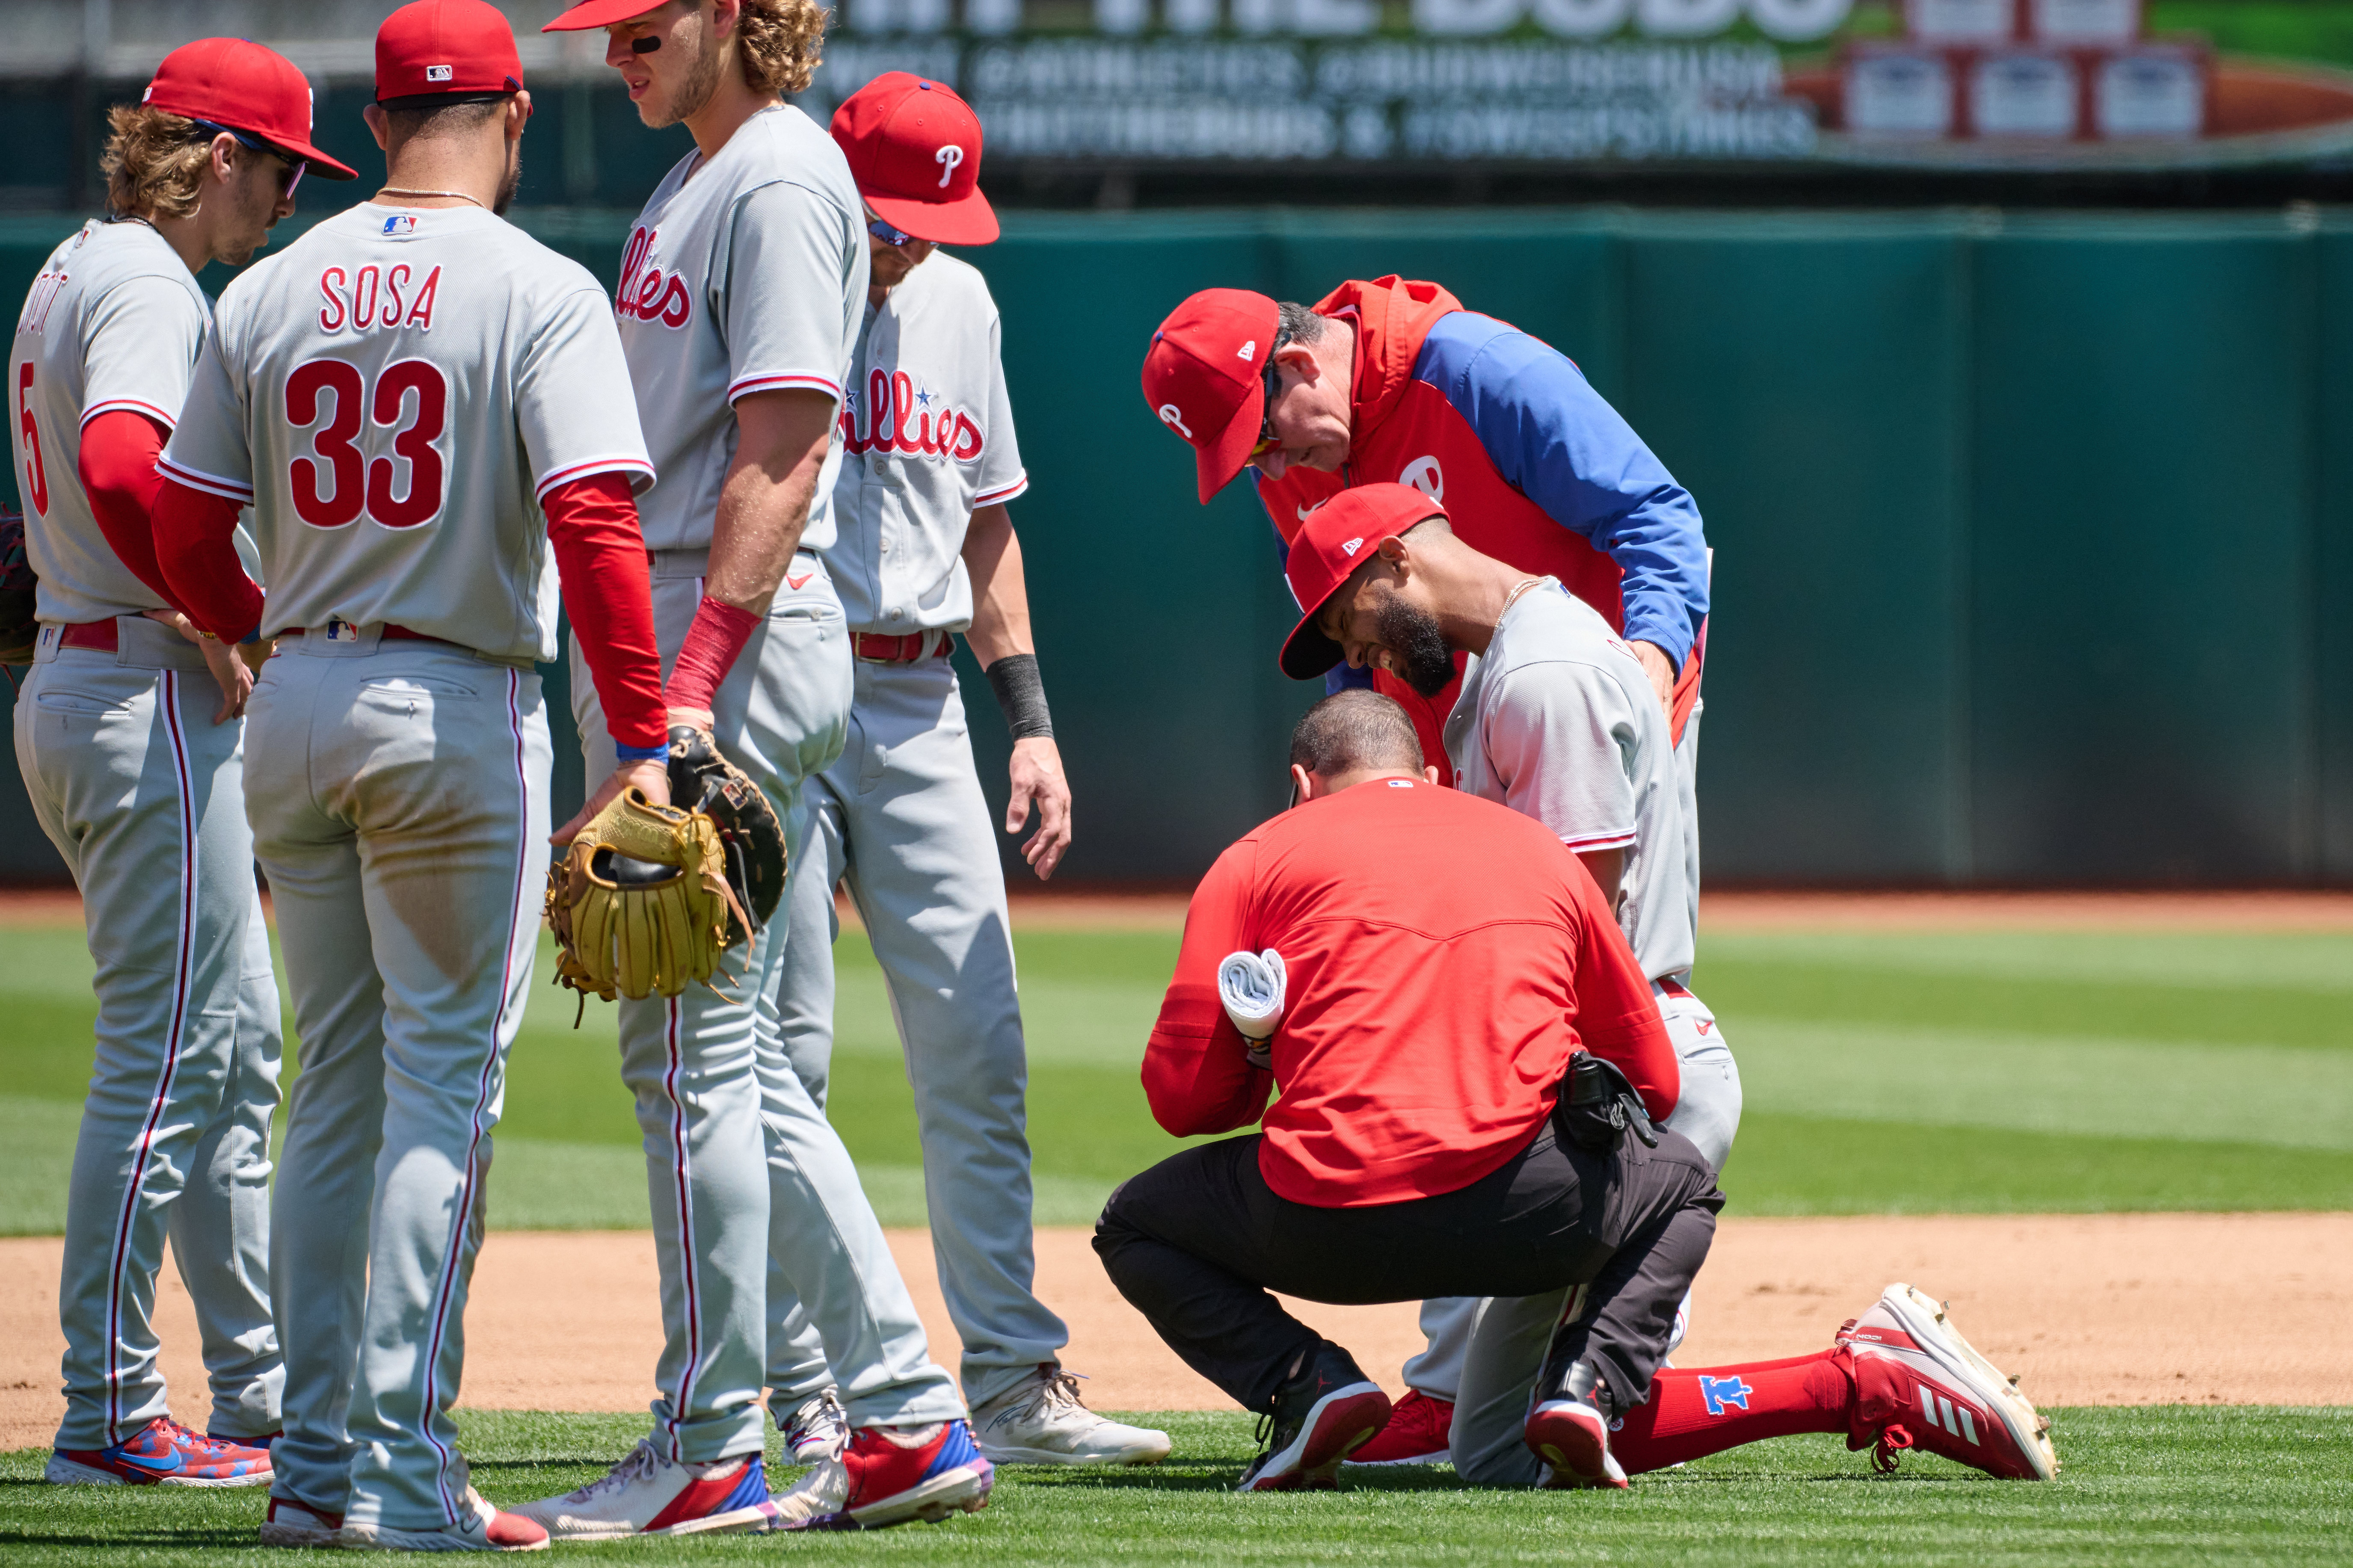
column 2090, row 1308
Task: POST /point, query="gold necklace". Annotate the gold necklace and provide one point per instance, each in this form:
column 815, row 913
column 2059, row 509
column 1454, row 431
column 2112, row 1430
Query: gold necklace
column 1513, row 597
column 404, row 191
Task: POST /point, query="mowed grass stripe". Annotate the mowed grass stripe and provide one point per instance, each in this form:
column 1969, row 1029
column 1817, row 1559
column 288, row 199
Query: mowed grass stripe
column 1875, row 1080
column 2148, row 1485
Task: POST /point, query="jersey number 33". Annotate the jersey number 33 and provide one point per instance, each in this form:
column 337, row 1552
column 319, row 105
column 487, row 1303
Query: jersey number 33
column 410, row 400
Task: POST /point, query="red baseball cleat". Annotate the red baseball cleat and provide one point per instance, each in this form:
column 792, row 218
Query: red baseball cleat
column 891, row 1475
column 1417, row 1434
column 162, row 1454
column 1918, row 1384
column 1569, row 1430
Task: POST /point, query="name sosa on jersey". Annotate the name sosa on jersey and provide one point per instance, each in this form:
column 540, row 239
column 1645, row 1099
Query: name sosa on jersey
column 337, row 483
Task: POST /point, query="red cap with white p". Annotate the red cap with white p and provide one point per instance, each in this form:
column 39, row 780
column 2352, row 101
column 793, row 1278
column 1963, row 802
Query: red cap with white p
column 914, row 149
column 1203, row 377
column 242, row 87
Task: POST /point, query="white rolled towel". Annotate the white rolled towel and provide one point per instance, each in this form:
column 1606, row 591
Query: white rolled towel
column 1250, row 984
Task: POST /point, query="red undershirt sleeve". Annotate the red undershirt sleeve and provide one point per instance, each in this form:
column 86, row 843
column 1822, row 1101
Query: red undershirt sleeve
column 713, row 642
column 600, row 557
column 196, row 551
column 1196, row 1076
column 119, row 448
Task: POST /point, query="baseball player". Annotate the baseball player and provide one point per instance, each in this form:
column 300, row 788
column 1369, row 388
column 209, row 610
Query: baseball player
column 129, row 735
column 429, row 414
column 741, row 292
column 923, row 548
column 1556, row 720
column 1394, row 381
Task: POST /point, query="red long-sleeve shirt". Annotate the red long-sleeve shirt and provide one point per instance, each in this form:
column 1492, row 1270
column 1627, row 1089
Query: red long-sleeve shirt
column 1445, row 956
column 600, row 561
column 117, row 468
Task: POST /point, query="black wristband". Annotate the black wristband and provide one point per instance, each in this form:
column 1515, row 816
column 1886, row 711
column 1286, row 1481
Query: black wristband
column 1022, row 694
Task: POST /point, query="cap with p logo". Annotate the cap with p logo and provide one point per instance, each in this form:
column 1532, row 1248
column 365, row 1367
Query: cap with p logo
column 914, row 148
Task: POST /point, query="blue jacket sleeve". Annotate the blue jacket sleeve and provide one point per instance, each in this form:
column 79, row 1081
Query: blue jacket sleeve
column 1561, row 444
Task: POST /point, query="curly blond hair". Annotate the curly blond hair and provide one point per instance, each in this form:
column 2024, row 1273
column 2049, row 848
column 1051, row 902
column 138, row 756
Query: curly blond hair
column 154, row 162
column 781, row 43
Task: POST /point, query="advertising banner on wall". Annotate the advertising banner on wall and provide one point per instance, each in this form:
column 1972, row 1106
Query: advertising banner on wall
column 1955, row 84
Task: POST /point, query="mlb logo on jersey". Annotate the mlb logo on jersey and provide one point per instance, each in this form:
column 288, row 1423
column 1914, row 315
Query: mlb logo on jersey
column 400, row 226
column 340, row 630
column 1724, row 1393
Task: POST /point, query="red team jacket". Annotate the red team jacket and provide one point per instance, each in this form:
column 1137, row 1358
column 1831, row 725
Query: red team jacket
column 1535, row 468
column 1445, row 956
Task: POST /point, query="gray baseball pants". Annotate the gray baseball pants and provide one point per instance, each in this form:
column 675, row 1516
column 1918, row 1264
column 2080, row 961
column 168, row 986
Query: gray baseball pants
column 401, row 813
column 742, row 1164
column 1707, row 1112
column 900, row 818
column 144, row 797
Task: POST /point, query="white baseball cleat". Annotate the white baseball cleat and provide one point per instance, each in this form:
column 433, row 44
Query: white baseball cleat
column 647, row 1494
column 1041, row 1421
column 480, row 1527
column 291, row 1522
column 816, row 1429
column 1918, row 1384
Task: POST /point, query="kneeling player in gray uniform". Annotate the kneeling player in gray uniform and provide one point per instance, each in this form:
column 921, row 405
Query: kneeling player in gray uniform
column 1556, row 720
column 741, row 291
column 134, row 764
column 923, row 548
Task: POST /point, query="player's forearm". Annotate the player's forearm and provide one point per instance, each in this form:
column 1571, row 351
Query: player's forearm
column 763, row 506
column 1663, row 556
column 117, row 468
column 1000, row 592
column 196, row 550
column 1196, row 1076
column 600, row 561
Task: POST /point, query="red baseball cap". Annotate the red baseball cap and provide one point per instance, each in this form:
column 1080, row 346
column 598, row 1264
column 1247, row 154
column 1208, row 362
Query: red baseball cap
column 914, row 149
column 433, row 46
column 1203, row 376
column 591, row 14
column 240, row 86
column 1332, row 541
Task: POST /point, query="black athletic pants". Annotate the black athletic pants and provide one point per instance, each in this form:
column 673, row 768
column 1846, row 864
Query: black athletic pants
column 1197, row 1242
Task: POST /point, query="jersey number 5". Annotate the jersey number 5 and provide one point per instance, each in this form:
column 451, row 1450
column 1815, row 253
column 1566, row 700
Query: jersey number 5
column 36, row 476
column 352, row 480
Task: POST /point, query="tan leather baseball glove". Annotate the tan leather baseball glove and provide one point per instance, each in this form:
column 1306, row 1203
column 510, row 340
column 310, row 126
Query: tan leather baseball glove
column 640, row 901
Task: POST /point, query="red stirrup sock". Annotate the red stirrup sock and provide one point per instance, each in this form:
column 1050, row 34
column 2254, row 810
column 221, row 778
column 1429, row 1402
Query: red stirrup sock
column 1704, row 1410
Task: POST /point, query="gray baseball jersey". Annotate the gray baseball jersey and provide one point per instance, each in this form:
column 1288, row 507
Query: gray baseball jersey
column 706, row 315
column 926, row 433
column 393, row 393
column 142, row 795
column 1558, row 721
column 113, row 322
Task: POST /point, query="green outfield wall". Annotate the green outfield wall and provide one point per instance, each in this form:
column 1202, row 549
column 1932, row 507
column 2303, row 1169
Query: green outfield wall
column 2034, row 533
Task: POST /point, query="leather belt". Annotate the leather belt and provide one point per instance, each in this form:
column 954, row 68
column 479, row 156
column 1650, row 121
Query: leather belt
column 877, row 647
column 390, row 633
column 99, row 637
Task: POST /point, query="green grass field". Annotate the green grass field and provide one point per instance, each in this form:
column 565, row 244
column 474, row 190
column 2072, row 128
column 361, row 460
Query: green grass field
column 1904, row 1072
column 2141, row 1486
column 1885, row 1073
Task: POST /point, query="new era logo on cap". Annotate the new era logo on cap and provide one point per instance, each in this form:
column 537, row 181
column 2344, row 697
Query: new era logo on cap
column 1352, row 547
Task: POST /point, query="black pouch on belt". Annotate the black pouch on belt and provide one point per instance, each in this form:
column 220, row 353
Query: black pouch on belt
column 1598, row 1104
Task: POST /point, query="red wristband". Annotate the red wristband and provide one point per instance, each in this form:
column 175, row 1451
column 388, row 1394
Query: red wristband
column 713, row 643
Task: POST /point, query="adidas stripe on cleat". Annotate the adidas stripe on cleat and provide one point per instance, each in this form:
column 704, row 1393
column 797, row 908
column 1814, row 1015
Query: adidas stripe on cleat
column 1919, row 1384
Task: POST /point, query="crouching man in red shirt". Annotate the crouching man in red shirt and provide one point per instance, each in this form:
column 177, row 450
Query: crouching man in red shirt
column 1444, row 959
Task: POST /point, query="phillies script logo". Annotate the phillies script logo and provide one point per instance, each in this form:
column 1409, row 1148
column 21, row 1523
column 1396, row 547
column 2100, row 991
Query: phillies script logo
column 647, row 291
column 901, row 417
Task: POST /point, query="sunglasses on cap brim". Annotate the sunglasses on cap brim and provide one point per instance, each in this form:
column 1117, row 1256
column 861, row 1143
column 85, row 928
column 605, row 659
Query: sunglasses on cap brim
column 286, row 182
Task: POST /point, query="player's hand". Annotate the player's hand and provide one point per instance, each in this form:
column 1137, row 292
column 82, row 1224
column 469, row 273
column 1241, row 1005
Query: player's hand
column 693, row 718
column 1037, row 773
column 651, row 776
column 1661, row 671
column 257, row 654
column 230, row 673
